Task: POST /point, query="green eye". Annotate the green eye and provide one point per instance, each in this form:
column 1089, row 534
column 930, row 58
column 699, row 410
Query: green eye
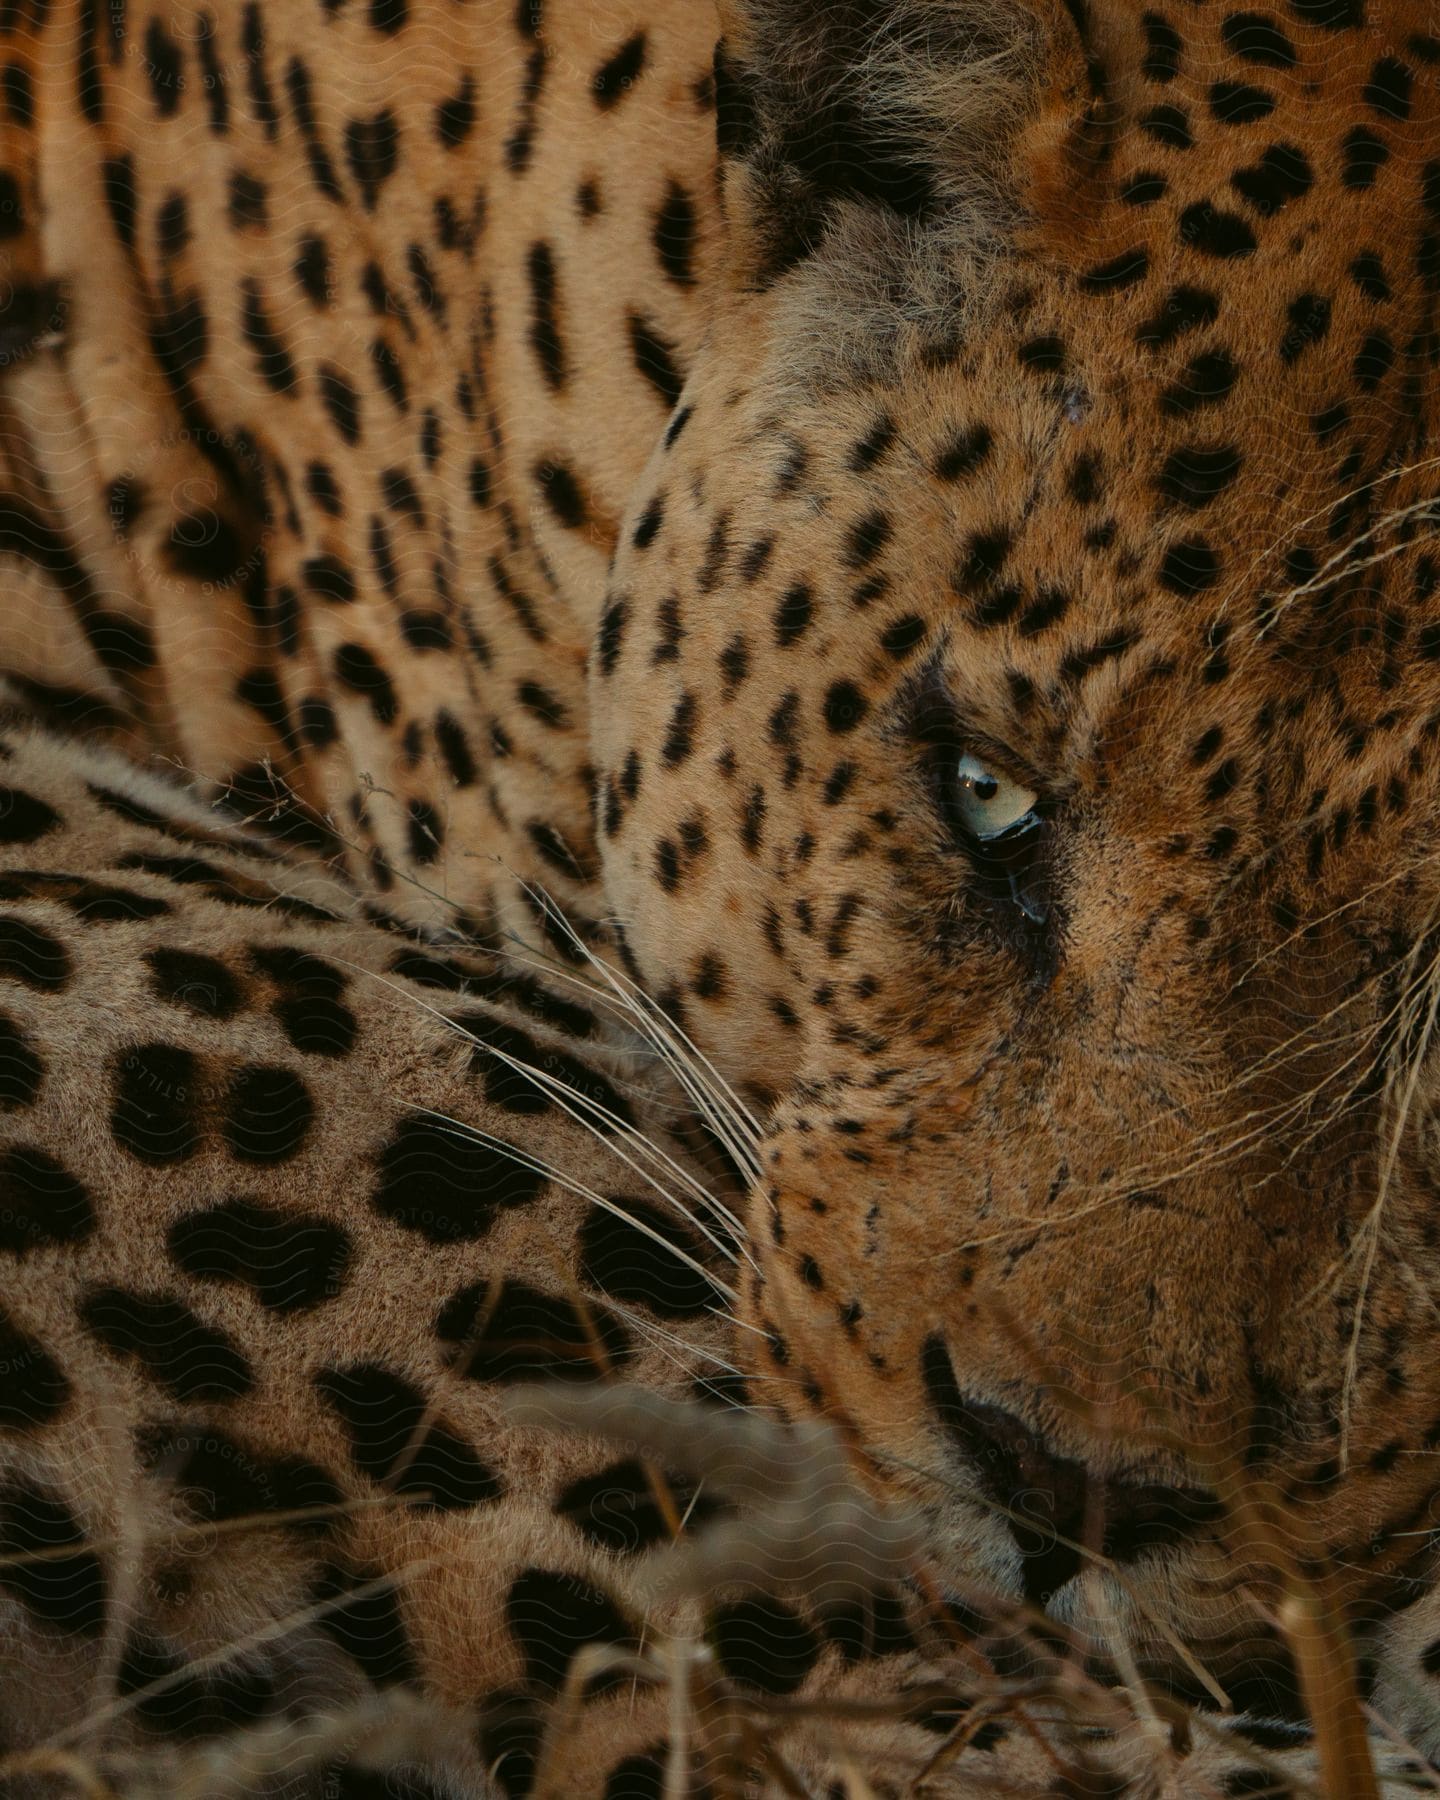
column 988, row 803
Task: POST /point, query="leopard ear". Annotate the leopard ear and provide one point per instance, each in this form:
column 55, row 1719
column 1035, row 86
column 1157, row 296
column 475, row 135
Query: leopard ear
column 909, row 108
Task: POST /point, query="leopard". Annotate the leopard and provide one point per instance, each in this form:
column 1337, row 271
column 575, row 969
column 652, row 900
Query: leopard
column 836, row 602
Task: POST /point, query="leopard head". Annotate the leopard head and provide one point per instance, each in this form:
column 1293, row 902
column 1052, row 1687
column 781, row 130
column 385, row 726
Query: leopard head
column 1015, row 730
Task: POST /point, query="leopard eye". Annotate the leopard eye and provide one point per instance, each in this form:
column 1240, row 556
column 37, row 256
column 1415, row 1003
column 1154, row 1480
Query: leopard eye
column 988, row 803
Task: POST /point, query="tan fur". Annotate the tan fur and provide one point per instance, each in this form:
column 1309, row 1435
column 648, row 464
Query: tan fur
column 337, row 344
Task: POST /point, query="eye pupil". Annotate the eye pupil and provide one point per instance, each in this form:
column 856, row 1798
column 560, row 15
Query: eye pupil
column 984, row 787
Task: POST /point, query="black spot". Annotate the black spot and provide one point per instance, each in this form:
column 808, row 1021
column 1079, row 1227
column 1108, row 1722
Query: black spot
column 610, row 637
column 1388, row 90
column 21, row 1069
column 637, row 1777
column 33, row 1387
column 654, row 358
column 201, row 984
column 247, row 208
column 272, row 359
column 323, row 488
column 329, row 579
column 1206, row 380
column 1049, row 607
column 617, row 1508
column 649, row 523
column 1185, row 309
column 372, row 149
column 680, row 733
column 764, row 1644
column 267, row 1114
column 189, row 1704
column 963, row 452
column 667, row 865
column 902, row 636
column 562, row 493
column 435, row 1179
column 552, row 1616
column 205, row 546
column 1143, row 189
column 734, row 663
column 41, row 1202
column 118, row 176
column 618, row 74
column 32, row 955
column 1168, row 125
column 455, row 118
column 426, row 630
column 1333, row 15
column 189, row 1359
column 1368, row 274
column 1076, row 664
column 1161, row 62
column 172, row 222
column 1307, row 321
column 1046, row 355
column 341, row 402
column 1256, row 38
column 838, row 783
column 1189, row 567
column 523, row 1334
column 639, row 1255
column 865, row 539
column 164, row 69
column 876, row 441
column 998, row 607
column 530, row 1089
column 510, row 1736
column 357, row 669
column 1363, row 155
column 1214, row 232
column 322, row 170
column 1373, row 361
column 23, row 817
column 1237, row 103
column 1282, row 174
column 677, row 425
column 545, row 339
column 390, row 373
column 845, row 706
column 257, row 80
column 292, row 1260
column 780, row 727
column 43, row 1561
column 152, row 1110
column 548, row 708
column 315, row 1021
column 393, row 1441
column 362, row 1615
column 19, row 95
column 125, row 500
column 1193, row 477
column 794, row 614
column 1120, row 272
column 317, row 724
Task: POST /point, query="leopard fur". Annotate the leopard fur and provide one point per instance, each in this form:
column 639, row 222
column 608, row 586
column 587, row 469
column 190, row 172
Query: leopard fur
column 547, row 534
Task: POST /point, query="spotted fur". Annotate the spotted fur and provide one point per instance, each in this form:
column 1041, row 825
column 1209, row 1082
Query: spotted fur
column 577, row 491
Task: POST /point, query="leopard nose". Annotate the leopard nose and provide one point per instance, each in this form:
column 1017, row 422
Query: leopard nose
column 1054, row 1506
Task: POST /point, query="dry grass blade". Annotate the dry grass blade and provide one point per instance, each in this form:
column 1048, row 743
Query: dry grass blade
column 63, row 1765
column 806, row 1519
